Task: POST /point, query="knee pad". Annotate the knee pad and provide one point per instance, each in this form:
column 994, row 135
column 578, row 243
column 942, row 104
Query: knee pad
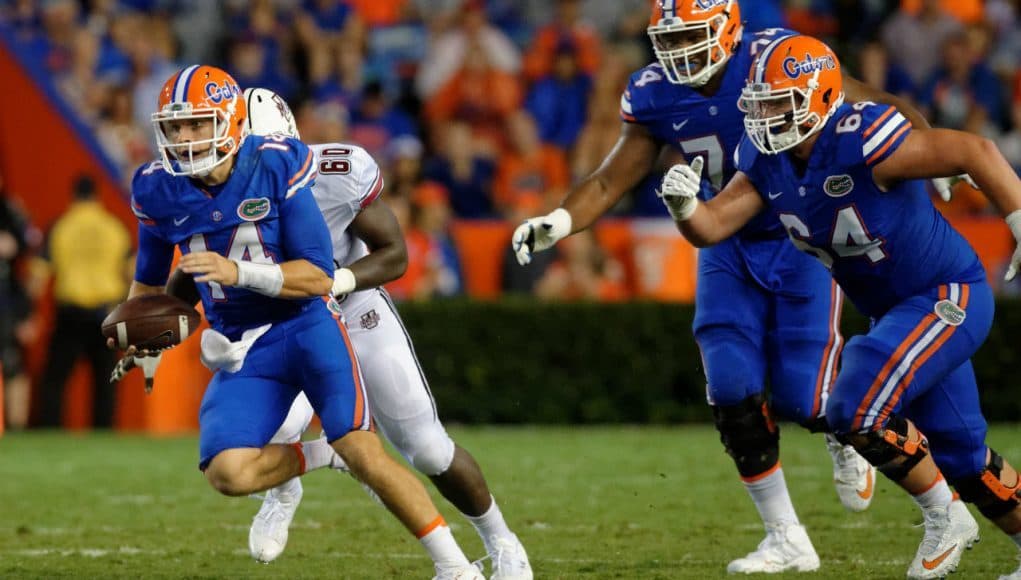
column 430, row 451
column 749, row 435
column 297, row 420
column 891, row 449
column 990, row 494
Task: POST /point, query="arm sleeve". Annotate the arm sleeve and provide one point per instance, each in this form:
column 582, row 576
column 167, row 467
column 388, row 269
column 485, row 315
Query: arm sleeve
column 304, row 231
column 155, row 257
column 883, row 130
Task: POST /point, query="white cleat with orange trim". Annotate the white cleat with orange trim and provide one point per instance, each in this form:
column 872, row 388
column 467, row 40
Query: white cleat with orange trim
column 267, row 537
column 853, row 476
column 948, row 533
column 786, row 547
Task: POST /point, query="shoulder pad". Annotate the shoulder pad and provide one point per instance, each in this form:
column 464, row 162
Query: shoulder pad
column 638, row 97
column 149, row 187
column 869, row 132
column 290, row 160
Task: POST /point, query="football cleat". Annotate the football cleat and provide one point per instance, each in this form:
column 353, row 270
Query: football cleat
column 853, row 476
column 949, row 532
column 268, row 534
column 458, row 572
column 510, row 561
column 786, row 547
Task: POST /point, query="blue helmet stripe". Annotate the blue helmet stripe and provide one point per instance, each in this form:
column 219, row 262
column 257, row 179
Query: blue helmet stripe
column 182, row 83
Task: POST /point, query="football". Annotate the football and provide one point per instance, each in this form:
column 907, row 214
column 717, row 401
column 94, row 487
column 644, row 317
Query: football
column 152, row 322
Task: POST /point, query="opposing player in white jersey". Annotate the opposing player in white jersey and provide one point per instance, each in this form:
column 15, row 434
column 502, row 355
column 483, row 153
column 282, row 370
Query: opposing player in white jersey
column 369, row 251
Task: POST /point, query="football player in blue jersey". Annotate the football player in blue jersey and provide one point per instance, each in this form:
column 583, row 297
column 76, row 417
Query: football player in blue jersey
column 763, row 312
column 844, row 181
column 240, row 209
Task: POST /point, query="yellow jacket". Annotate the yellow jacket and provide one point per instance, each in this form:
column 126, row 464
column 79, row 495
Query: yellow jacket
column 88, row 248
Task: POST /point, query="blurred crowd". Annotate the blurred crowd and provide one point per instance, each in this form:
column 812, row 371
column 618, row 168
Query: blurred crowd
column 475, row 109
column 489, row 109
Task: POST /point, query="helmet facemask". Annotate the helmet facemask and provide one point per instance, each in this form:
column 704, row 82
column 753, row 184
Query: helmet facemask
column 779, row 119
column 695, row 63
column 221, row 146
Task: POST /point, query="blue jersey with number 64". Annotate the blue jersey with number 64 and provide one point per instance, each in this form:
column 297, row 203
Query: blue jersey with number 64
column 882, row 246
column 264, row 213
column 695, row 124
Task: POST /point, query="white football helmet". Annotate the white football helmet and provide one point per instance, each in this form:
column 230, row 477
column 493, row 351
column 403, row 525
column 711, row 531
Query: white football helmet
column 268, row 114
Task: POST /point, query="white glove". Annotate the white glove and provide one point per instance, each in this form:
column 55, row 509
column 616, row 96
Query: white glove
column 1014, row 222
column 540, row 233
column 147, row 363
column 945, row 185
column 680, row 188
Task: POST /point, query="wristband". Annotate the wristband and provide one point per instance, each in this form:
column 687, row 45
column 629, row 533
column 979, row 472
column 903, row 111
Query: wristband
column 343, row 282
column 561, row 222
column 267, row 279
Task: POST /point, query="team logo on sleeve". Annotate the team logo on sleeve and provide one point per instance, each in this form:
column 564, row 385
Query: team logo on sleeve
column 253, row 210
column 838, row 185
column 950, row 313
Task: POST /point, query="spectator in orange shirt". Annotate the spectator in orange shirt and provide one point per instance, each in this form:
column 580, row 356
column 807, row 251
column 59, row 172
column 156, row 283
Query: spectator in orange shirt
column 479, row 95
column 379, row 12
column 584, row 272
column 968, row 11
column 567, row 22
column 433, row 265
column 528, row 166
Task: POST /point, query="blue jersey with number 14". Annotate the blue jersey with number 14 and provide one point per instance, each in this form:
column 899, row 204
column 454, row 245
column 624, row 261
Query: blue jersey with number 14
column 264, row 213
column 882, row 246
column 695, row 124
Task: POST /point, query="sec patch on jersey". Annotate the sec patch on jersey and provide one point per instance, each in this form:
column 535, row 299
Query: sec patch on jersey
column 151, row 322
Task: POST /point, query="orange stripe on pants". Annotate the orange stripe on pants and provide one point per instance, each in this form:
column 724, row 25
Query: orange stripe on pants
column 921, row 360
column 834, row 325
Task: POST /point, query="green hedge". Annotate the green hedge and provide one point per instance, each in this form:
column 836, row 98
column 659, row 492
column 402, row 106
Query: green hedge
column 527, row 362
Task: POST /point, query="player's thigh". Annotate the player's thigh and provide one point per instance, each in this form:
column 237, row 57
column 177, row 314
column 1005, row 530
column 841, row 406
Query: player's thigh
column 328, row 372
column 240, row 411
column 950, row 417
column 399, row 396
column 908, row 351
column 730, row 328
column 803, row 347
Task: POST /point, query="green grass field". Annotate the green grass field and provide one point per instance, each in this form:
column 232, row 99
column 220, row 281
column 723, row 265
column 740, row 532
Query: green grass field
column 588, row 503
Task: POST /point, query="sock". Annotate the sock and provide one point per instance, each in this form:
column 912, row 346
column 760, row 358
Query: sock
column 314, row 454
column 769, row 492
column 937, row 495
column 490, row 525
column 439, row 543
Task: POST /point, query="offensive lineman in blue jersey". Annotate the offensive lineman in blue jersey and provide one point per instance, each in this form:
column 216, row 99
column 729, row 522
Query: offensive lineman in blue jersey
column 240, row 210
column 843, row 180
column 763, row 312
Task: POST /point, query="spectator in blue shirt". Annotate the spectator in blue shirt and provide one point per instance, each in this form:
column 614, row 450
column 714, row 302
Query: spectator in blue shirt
column 559, row 102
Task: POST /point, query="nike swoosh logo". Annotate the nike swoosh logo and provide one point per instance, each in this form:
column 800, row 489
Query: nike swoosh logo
column 869, row 483
column 679, row 126
column 775, row 195
column 932, row 564
column 178, row 222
